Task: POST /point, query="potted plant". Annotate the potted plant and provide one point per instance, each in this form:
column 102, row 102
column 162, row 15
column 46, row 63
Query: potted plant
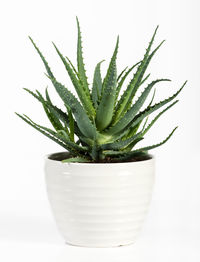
column 100, row 187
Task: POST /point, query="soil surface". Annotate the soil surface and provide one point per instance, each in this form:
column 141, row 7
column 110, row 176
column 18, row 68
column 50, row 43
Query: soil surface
column 64, row 155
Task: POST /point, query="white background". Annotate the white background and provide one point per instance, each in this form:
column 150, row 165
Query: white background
column 27, row 230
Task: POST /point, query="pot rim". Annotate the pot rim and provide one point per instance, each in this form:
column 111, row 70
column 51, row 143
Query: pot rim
column 152, row 158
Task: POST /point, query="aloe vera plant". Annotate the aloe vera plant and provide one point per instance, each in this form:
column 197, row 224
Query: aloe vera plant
column 99, row 125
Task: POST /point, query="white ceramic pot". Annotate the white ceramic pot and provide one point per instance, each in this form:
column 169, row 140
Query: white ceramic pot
column 99, row 205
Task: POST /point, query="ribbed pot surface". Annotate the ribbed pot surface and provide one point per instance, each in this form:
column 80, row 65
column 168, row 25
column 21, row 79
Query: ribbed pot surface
column 99, row 205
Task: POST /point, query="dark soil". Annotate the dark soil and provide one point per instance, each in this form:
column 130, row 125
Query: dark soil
column 64, row 155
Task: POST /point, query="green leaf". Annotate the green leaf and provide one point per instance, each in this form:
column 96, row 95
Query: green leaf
column 143, row 114
column 82, row 119
column 153, row 108
column 71, row 123
column 50, row 114
column 43, row 132
column 97, row 85
column 121, row 74
column 119, row 86
column 119, row 145
column 142, row 70
column 95, row 152
column 143, row 149
column 48, row 103
column 118, row 111
column 57, row 111
column 47, row 96
column 142, row 82
column 128, row 117
column 108, row 94
column 130, row 146
column 145, row 123
column 135, row 128
column 132, row 131
column 62, row 136
column 62, row 115
column 127, row 97
column 86, row 141
column 73, row 67
column 43, row 59
column 145, row 130
column 51, row 76
column 80, row 63
column 76, row 160
column 115, row 117
column 154, row 92
column 147, row 148
column 84, row 98
column 59, row 114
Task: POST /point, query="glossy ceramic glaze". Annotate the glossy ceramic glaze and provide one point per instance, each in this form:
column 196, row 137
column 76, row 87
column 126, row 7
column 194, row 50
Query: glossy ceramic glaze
column 99, row 205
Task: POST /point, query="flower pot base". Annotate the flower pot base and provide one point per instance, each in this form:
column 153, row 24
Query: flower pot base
column 99, row 205
column 102, row 246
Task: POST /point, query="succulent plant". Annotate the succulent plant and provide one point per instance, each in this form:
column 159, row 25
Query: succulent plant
column 100, row 125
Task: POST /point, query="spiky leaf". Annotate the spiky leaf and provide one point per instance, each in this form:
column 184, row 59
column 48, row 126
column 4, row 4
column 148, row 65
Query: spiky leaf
column 97, row 85
column 71, row 123
column 119, row 145
column 127, row 154
column 134, row 83
column 128, row 117
column 108, row 94
column 61, row 135
column 145, row 130
column 50, row 113
column 80, row 63
column 44, row 133
column 121, row 74
column 57, row 112
column 84, row 98
column 83, row 121
column 43, row 59
column 119, row 86
column 73, row 67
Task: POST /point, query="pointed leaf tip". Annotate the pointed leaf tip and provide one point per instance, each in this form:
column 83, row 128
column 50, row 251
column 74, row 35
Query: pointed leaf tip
column 155, row 31
column 77, row 22
column 117, row 44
